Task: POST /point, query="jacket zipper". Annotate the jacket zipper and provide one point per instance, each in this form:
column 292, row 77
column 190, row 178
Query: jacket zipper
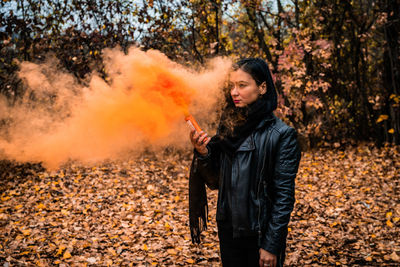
column 259, row 186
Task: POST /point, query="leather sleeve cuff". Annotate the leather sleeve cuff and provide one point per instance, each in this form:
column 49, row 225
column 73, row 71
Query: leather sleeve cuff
column 268, row 246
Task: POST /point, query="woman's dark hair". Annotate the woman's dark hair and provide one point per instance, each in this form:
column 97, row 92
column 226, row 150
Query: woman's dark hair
column 258, row 69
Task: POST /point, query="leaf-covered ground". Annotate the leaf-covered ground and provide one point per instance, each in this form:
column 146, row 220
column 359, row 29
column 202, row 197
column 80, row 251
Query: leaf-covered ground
column 135, row 213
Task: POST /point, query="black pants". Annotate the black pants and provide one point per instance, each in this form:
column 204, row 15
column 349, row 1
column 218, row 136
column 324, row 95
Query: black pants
column 239, row 252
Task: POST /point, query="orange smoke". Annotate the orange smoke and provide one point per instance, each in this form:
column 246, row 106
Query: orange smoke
column 143, row 102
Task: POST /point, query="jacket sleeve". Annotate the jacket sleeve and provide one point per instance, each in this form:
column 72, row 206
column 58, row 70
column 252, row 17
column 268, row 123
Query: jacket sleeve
column 208, row 167
column 282, row 191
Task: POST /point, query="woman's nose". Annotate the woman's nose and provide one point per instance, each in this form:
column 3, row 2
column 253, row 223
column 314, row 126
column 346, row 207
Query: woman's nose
column 234, row 91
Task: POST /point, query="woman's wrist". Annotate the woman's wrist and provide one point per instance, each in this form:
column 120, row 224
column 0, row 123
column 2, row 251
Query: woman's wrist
column 202, row 152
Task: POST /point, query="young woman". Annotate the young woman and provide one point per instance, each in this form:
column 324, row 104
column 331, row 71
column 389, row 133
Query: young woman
column 252, row 161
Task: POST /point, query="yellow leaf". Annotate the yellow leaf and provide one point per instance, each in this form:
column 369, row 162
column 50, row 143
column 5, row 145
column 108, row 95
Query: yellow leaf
column 333, row 224
column 145, row 247
column 66, row 255
column 24, row 253
column 18, row 207
column 391, row 131
column 167, row 225
column 396, row 219
column 176, row 198
column 289, row 229
column 60, row 250
column 369, row 258
column 389, row 214
column 40, row 206
column 389, row 223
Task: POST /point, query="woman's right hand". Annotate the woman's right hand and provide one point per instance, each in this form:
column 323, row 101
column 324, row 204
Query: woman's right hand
column 199, row 141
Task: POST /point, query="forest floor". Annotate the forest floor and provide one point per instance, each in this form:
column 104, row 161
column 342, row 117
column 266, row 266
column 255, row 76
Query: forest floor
column 135, row 212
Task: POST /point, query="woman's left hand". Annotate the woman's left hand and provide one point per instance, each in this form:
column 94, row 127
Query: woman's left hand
column 267, row 259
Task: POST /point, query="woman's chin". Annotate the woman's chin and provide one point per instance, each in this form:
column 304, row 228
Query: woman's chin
column 239, row 105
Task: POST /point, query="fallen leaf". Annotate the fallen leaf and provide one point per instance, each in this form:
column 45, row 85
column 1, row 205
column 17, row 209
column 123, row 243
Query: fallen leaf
column 67, row 255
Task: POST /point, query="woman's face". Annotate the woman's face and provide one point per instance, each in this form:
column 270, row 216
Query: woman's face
column 244, row 89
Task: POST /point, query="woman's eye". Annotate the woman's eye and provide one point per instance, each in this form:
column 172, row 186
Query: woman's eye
column 241, row 85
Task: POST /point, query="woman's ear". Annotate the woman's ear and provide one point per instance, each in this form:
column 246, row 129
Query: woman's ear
column 263, row 88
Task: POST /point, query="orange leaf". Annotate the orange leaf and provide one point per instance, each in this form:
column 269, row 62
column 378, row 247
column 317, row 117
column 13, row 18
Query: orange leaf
column 66, row 255
column 191, row 261
column 382, row 118
column 60, row 250
column 171, row 251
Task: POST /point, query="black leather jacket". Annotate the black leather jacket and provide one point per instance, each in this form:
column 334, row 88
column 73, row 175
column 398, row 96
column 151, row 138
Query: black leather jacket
column 261, row 190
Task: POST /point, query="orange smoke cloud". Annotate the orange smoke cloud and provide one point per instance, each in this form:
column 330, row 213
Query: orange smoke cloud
column 142, row 103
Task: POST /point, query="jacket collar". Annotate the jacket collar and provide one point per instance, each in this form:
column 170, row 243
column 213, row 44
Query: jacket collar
column 267, row 120
column 248, row 144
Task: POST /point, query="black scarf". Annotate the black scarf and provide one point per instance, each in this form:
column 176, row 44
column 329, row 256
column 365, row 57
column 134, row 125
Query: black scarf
column 235, row 126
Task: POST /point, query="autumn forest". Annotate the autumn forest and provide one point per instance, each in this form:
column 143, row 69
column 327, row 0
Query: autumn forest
column 88, row 179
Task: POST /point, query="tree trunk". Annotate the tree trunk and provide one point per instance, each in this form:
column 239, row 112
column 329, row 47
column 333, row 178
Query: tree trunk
column 392, row 68
column 259, row 33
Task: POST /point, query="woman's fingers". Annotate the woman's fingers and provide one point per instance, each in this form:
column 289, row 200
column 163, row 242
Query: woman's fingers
column 194, row 136
column 199, row 139
column 202, row 138
column 207, row 141
column 267, row 259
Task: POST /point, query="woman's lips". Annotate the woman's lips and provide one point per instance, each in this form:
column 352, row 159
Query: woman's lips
column 236, row 101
